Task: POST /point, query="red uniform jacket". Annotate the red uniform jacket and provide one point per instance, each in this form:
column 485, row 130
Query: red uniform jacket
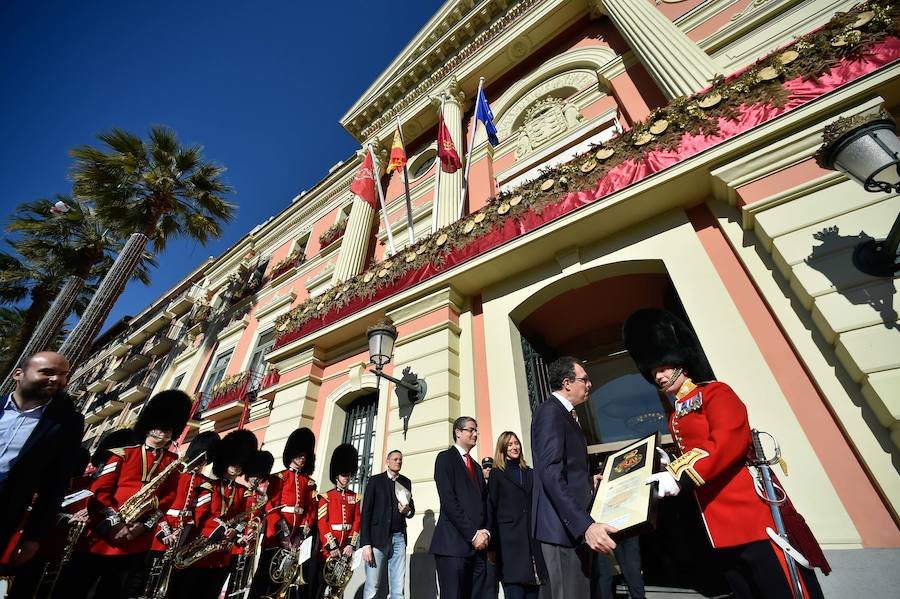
column 710, row 426
column 123, row 475
column 218, row 501
column 252, row 498
column 292, row 506
column 181, row 512
column 338, row 520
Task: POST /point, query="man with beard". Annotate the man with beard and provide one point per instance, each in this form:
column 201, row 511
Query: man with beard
column 40, row 432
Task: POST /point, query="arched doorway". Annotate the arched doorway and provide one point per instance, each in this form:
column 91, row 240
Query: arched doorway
column 586, row 322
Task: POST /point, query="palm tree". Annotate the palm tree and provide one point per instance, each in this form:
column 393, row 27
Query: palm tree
column 65, row 245
column 152, row 191
column 11, row 321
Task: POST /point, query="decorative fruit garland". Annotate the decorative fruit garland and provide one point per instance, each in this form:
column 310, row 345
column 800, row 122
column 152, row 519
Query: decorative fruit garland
column 332, row 233
column 811, row 56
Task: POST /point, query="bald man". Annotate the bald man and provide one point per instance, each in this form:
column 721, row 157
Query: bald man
column 40, row 432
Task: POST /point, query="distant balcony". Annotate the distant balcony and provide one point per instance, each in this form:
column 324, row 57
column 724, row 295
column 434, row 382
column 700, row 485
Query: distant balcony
column 96, row 384
column 182, row 304
column 120, row 346
column 132, row 363
column 139, row 386
column 105, row 405
column 162, row 341
column 148, row 325
column 230, row 396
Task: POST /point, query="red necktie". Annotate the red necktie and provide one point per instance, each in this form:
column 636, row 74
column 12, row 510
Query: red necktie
column 470, row 468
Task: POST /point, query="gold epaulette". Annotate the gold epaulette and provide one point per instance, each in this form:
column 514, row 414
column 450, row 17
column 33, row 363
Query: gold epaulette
column 283, row 475
column 321, row 496
column 684, row 464
column 206, row 485
column 117, row 451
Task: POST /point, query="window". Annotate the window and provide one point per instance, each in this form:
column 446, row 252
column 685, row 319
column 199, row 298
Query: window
column 422, row 163
column 176, row 384
column 300, row 245
column 344, row 214
column 265, row 342
column 359, row 431
column 216, row 374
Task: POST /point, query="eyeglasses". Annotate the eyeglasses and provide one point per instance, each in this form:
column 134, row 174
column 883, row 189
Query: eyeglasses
column 583, row 379
column 471, row 431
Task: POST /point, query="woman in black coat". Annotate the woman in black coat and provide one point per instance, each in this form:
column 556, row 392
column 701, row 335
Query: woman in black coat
column 520, row 564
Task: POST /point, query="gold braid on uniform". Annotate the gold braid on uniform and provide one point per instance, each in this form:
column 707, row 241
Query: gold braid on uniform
column 684, row 464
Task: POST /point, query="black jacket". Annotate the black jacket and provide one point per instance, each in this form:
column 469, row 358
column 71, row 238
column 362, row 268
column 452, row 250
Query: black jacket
column 463, row 505
column 562, row 482
column 509, row 502
column 379, row 500
column 43, row 468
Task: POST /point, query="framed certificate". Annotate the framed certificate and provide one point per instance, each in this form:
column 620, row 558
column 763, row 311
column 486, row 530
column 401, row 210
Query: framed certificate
column 622, row 499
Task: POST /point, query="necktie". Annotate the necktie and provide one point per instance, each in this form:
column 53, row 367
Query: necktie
column 470, row 468
column 575, row 417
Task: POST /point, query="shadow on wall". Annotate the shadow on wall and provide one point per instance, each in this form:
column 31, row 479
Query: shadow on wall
column 877, row 293
column 422, row 572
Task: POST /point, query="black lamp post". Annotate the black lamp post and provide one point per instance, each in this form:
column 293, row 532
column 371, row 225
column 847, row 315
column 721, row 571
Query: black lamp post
column 866, row 149
column 382, row 336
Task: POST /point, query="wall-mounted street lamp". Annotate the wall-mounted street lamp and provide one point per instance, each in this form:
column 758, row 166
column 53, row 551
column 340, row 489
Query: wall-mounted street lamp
column 382, row 336
column 866, row 149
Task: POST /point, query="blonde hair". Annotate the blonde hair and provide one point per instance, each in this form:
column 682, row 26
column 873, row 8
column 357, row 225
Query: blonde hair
column 500, row 453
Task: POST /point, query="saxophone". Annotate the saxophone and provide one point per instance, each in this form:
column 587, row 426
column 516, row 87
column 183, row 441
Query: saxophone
column 203, row 546
column 337, row 574
column 145, row 499
column 52, row 570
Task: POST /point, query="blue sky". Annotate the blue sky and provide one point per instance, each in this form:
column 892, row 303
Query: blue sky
column 260, row 85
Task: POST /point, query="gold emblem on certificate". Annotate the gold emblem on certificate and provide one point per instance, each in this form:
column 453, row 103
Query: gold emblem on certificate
column 622, row 499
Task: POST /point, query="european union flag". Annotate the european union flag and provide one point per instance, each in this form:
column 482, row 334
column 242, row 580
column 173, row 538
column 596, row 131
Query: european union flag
column 483, row 113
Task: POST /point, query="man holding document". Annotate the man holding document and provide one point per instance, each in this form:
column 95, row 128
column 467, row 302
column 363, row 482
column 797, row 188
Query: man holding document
column 563, row 486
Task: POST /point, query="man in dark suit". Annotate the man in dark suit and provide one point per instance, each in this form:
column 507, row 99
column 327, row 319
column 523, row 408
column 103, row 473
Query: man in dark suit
column 387, row 505
column 562, row 484
column 461, row 534
column 40, row 432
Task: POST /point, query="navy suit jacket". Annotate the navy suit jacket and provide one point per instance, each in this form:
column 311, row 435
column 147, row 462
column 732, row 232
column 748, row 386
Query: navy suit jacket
column 44, row 467
column 560, row 502
column 463, row 505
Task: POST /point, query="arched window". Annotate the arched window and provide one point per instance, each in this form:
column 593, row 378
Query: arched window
column 359, row 431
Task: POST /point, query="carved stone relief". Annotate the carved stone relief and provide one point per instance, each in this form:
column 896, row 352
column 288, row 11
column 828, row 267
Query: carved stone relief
column 546, row 120
column 561, row 85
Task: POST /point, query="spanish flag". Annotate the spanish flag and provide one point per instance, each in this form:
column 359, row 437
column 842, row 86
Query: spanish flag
column 398, row 154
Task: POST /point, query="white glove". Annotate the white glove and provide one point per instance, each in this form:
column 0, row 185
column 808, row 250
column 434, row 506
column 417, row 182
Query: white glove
column 664, row 458
column 667, row 485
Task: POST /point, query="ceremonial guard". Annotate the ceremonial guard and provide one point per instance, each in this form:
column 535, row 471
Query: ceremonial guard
column 339, row 522
column 178, row 526
column 290, row 515
column 38, row 576
column 710, row 426
column 243, row 554
column 132, row 491
column 218, row 510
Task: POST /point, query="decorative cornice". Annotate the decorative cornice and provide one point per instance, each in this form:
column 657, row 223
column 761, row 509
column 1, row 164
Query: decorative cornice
column 360, row 127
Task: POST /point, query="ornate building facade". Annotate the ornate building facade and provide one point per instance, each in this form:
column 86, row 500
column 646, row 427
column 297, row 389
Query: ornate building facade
column 652, row 154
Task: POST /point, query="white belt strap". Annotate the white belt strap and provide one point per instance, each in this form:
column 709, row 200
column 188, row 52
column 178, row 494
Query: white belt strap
column 173, row 513
column 341, row 526
column 290, row 509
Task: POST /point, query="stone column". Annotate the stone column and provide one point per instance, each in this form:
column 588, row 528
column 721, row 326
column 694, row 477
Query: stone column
column 295, row 402
column 451, row 183
column 355, row 242
column 675, row 62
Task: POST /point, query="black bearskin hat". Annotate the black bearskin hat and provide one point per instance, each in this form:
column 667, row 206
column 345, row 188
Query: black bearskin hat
column 207, row 443
column 301, row 440
column 344, row 460
column 235, row 449
column 657, row 338
column 167, row 410
column 260, row 465
column 123, row 437
column 80, row 461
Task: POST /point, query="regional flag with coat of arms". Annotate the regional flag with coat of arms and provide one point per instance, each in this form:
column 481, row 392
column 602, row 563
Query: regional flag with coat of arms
column 398, row 154
column 364, row 182
column 450, row 161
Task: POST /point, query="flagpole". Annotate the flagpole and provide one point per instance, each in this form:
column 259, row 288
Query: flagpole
column 464, row 192
column 387, row 226
column 437, row 177
column 409, row 218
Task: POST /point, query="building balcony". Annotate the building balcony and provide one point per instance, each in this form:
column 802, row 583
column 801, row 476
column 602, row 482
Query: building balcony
column 96, row 385
column 232, row 397
column 132, row 363
column 182, row 304
column 105, row 405
column 144, row 329
column 162, row 341
column 120, row 346
column 139, row 386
